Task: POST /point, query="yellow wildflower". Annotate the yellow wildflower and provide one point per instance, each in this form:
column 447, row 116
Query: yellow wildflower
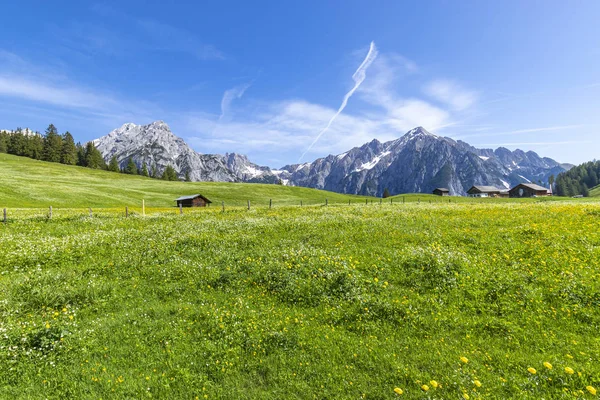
column 465, row 396
column 464, row 359
column 425, row 388
column 477, row 383
column 531, row 370
column 47, row 325
column 569, row 370
column 434, row 384
column 398, row 391
column 591, row 389
column 547, row 365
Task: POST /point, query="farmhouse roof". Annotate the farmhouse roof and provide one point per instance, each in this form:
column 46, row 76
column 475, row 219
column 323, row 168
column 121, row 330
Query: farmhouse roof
column 486, row 189
column 442, row 189
column 533, row 186
column 193, row 196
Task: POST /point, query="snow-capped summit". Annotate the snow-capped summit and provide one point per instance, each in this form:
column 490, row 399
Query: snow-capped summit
column 155, row 145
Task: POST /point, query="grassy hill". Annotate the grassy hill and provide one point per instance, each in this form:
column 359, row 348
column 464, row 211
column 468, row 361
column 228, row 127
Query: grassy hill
column 30, row 183
column 441, row 301
column 595, row 192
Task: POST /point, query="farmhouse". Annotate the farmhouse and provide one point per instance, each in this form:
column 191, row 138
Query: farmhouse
column 528, row 190
column 194, row 200
column 483, row 191
column 441, row 192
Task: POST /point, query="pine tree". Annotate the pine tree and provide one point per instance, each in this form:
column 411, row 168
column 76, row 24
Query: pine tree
column 80, row 155
column 386, row 193
column 144, row 169
column 187, row 176
column 69, row 151
column 18, row 143
column 154, row 172
column 585, row 191
column 4, row 138
column 113, row 165
column 36, row 146
column 131, row 168
column 52, row 145
column 93, row 157
column 169, row 174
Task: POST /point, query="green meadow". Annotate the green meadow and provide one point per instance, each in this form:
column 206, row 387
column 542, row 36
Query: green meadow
column 415, row 297
column 30, row 183
column 439, row 300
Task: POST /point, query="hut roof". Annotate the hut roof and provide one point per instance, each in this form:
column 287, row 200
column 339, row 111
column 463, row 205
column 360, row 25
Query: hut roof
column 193, row 196
column 442, row 189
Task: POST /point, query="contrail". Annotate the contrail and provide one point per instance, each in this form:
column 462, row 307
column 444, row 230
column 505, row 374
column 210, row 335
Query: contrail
column 358, row 77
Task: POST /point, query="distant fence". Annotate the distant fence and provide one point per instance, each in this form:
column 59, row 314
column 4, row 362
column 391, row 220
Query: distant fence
column 48, row 213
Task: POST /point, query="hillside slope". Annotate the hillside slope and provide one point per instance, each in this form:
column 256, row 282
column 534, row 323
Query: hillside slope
column 30, row 183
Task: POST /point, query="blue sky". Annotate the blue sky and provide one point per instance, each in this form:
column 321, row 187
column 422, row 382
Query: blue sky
column 265, row 78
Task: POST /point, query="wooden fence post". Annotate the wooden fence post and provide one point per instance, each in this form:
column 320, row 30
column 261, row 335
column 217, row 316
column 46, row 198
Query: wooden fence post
column 326, row 202
column 90, row 210
column 419, row 200
column 391, row 200
column 143, row 207
column 300, row 203
column 223, row 205
column 5, row 218
column 403, row 200
column 270, row 203
column 180, row 209
column 248, row 204
column 348, row 201
column 126, row 212
column 380, row 201
column 50, row 213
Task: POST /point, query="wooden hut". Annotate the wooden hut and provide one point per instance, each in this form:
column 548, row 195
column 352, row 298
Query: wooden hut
column 441, row 192
column 483, row 191
column 194, row 200
column 528, row 190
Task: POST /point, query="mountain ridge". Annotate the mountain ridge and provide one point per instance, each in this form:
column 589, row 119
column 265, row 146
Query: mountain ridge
column 416, row 162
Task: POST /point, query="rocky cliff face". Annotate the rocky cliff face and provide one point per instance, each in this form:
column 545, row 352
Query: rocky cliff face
column 155, row 145
column 419, row 162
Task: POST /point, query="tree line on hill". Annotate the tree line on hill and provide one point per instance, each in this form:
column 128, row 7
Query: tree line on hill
column 578, row 180
column 53, row 147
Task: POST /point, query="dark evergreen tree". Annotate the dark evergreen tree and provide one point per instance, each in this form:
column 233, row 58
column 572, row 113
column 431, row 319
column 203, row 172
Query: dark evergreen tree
column 80, row 155
column 113, row 165
column 169, row 174
column 131, row 168
column 144, row 169
column 36, row 146
column 18, row 143
column 187, row 176
column 52, row 144
column 93, row 157
column 4, row 139
column 585, row 191
column 386, row 193
column 154, row 171
column 68, row 153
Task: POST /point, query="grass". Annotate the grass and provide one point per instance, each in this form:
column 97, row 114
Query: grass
column 595, row 192
column 315, row 302
column 29, row 183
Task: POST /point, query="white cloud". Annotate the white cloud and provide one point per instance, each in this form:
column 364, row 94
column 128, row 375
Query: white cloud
column 230, row 95
column 451, row 93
